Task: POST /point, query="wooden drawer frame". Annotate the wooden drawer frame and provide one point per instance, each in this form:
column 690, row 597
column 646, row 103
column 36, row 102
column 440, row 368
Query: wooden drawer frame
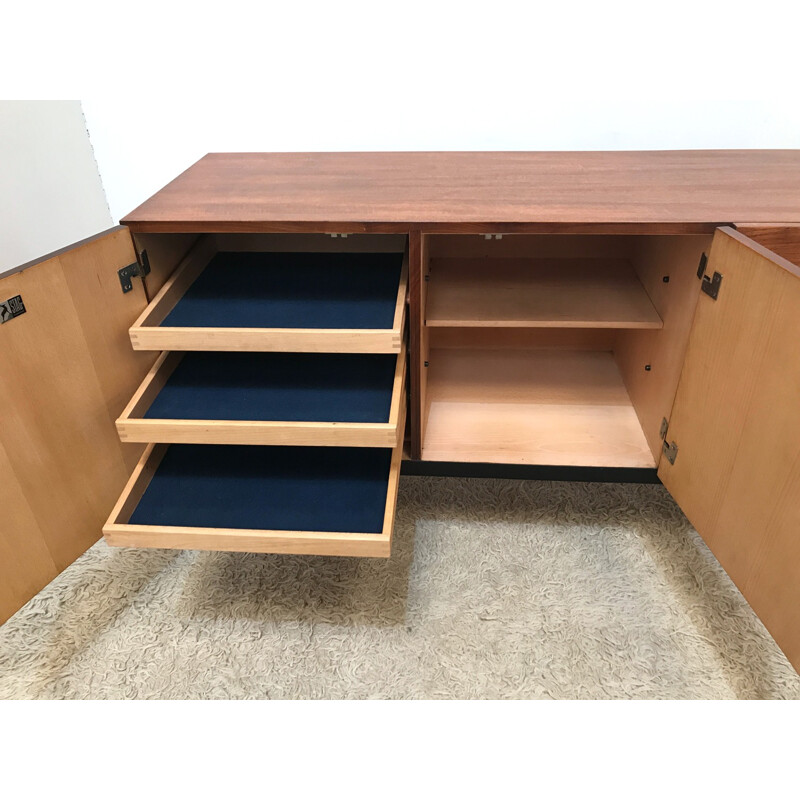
column 147, row 334
column 118, row 532
column 134, row 427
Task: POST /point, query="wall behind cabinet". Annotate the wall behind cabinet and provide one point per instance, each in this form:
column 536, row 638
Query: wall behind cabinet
column 50, row 189
column 420, row 75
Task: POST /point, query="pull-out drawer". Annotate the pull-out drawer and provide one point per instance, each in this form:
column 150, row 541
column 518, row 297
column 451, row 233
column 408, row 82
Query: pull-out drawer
column 278, row 301
column 344, row 400
column 306, row 500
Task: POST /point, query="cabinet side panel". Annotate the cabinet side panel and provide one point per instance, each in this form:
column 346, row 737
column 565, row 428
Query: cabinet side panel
column 652, row 391
column 164, row 251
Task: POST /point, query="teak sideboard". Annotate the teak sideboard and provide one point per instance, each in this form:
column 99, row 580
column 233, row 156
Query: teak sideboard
column 251, row 358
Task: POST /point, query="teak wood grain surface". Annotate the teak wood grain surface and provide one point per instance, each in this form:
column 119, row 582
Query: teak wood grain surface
column 689, row 191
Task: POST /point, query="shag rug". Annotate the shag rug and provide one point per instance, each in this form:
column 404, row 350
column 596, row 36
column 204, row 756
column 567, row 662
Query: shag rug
column 495, row 589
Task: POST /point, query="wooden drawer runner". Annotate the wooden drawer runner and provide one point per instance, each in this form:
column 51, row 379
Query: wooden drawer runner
column 304, row 500
column 344, row 400
column 291, row 302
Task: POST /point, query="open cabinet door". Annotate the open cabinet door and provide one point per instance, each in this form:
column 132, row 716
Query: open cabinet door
column 736, row 427
column 66, row 371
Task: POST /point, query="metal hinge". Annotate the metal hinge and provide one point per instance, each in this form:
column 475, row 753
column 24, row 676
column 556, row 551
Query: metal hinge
column 670, row 448
column 710, row 285
column 138, row 269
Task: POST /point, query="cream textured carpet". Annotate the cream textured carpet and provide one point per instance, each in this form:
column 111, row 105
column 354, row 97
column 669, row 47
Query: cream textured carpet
column 496, row 589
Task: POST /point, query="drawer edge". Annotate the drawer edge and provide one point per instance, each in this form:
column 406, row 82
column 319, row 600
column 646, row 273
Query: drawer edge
column 118, row 532
column 267, row 340
column 375, row 545
column 222, row 432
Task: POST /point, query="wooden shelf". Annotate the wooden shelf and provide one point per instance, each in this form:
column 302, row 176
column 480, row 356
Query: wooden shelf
column 537, row 293
column 558, row 408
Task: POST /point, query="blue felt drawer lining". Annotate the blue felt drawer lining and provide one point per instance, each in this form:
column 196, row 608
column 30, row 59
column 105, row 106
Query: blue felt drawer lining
column 330, row 489
column 303, row 387
column 292, row 290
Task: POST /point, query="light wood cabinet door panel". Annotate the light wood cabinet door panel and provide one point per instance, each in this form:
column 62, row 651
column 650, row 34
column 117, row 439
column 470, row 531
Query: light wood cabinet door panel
column 66, row 372
column 736, row 425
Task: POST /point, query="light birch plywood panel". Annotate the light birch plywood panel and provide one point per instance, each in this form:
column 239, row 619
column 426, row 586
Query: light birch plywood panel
column 651, row 361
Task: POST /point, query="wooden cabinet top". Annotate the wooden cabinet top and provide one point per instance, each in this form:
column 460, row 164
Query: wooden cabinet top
column 684, row 191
